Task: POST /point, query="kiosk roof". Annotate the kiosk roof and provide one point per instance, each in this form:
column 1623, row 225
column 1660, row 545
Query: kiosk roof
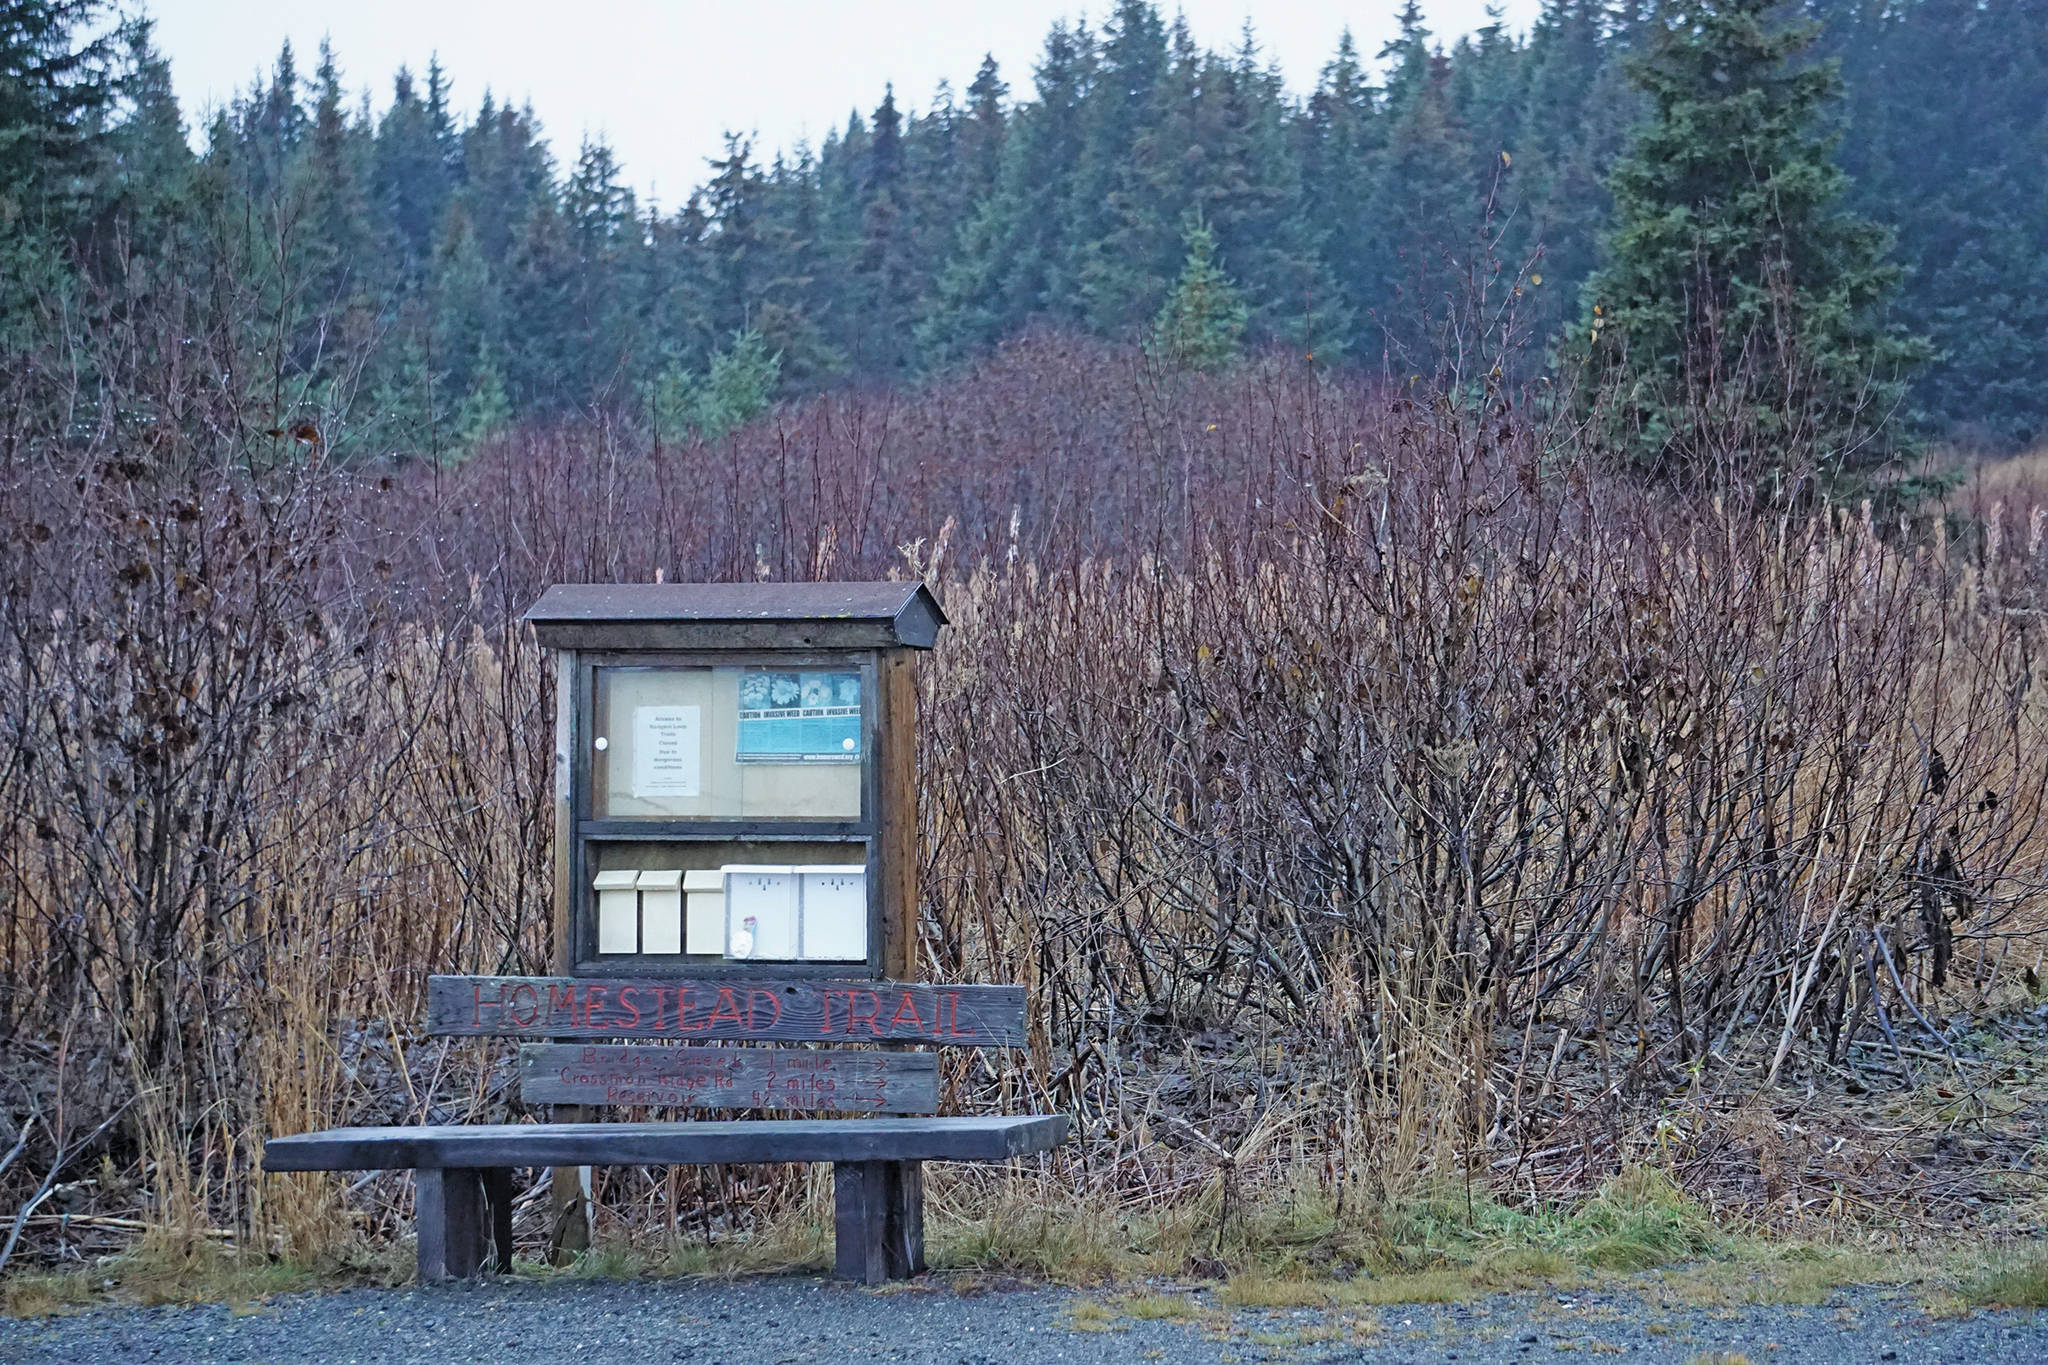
column 737, row 616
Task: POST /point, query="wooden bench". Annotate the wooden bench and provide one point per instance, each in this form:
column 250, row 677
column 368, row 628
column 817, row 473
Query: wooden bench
column 463, row 1172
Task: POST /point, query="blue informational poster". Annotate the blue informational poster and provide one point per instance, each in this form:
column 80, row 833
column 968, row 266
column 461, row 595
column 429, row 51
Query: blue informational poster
column 799, row 717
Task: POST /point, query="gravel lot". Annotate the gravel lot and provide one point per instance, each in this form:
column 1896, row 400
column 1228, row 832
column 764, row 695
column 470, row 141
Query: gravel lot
column 761, row 1321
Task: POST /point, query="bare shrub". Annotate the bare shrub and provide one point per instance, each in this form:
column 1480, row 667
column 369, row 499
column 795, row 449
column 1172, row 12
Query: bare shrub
column 1364, row 782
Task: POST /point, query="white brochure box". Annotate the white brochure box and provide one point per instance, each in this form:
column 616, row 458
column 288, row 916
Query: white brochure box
column 835, row 913
column 704, row 928
column 618, row 910
column 661, row 911
column 760, row 913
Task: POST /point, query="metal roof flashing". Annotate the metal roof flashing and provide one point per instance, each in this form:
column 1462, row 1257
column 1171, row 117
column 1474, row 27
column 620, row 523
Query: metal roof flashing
column 755, row 616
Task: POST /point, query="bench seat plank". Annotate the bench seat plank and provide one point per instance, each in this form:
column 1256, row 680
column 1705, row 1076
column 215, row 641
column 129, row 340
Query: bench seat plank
column 697, row 1142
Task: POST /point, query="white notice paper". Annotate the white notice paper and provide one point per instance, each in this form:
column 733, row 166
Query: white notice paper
column 667, row 748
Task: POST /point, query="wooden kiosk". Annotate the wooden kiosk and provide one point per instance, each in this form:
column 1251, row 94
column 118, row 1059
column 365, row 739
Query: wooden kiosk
column 735, row 862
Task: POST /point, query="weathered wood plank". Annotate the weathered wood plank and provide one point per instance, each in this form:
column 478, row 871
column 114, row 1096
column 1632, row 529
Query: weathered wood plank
column 898, row 832
column 569, row 1188
column 836, row 1080
column 904, row 1232
column 430, row 1221
column 692, row 1143
column 877, row 1220
column 449, row 1206
column 860, row 1218
column 802, row 1011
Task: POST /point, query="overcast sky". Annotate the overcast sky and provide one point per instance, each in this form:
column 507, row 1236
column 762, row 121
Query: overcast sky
column 662, row 80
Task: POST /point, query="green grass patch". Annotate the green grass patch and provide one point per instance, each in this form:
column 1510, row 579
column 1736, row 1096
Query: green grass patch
column 1263, row 1291
column 611, row 1261
column 2020, row 1281
column 1639, row 1221
column 1087, row 1315
column 162, row 1269
column 40, row 1293
column 1160, row 1307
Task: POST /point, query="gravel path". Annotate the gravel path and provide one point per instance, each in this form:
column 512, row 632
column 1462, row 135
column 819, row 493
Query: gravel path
column 764, row 1321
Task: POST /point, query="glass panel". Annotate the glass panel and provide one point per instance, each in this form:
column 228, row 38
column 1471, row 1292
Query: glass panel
column 727, row 743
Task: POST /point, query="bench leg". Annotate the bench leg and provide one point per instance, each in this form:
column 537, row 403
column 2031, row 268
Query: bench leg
column 878, row 1220
column 498, row 1195
column 906, row 1219
column 450, row 1206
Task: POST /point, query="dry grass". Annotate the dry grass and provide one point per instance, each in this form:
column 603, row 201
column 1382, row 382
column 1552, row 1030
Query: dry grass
column 1409, row 834
column 2018, row 481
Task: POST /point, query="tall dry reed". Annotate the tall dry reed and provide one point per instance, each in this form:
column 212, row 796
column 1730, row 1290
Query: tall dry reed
column 1361, row 780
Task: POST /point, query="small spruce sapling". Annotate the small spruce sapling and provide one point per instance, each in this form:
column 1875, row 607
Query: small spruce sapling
column 1202, row 322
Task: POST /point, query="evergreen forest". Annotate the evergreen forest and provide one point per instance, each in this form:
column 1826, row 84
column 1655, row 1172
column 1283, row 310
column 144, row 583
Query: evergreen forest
column 502, row 278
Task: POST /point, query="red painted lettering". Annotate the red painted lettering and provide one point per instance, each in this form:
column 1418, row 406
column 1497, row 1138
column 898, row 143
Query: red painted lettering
column 825, row 1011
column 593, row 1003
column 727, row 1010
column 854, row 1015
column 908, row 1010
column 476, row 1011
column 532, row 1005
column 562, row 1003
column 774, row 1010
column 627, row 1004
column 949, row 1003
column 683, row 1025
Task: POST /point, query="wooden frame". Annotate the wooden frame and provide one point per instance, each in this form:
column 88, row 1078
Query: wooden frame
column 886, row 832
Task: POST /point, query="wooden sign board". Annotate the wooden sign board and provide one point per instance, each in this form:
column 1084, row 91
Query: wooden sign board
column 833, row 1080
column 804, row 1011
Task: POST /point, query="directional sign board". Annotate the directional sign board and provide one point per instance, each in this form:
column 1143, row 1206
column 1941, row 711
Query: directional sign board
column 830, row 1080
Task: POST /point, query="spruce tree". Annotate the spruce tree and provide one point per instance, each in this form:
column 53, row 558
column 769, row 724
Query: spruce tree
column 56, row 82
column 1004, row 270
column 463, row 302
column 1946, row 138
column 539, row 289
column 271, row 124
column 602, row 324
column 411, row 181
column 506, row 169
column 886, row 274
column 982, row 127
column 1340, row 137
column 802, row 293
column 151, row 160
column 1738, row 314
column 342, row 252
column 1578, row 107
column 1253, row 194
column 739, row 385
column 1202, row 322
column 1097, row 275
column 738, row 263
column 1424, row 222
